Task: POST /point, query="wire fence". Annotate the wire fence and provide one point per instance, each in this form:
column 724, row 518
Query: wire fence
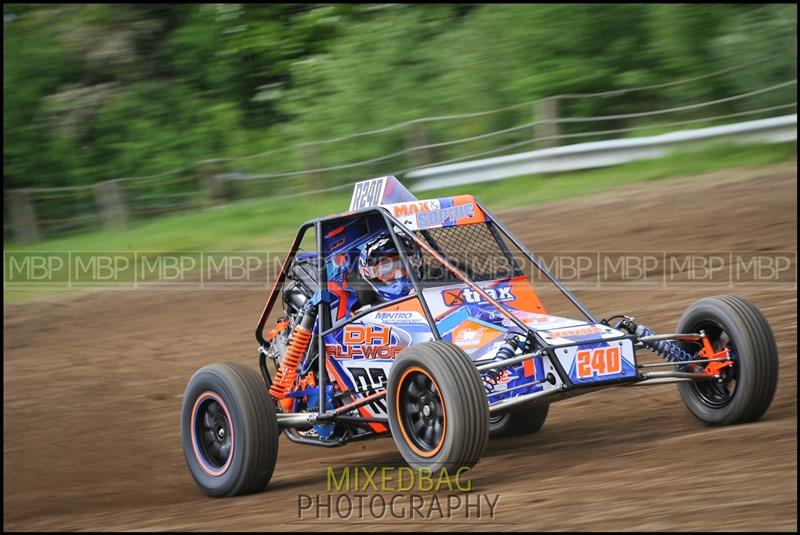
column 321, row 167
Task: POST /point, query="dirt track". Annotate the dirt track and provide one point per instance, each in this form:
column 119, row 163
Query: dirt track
column 92, row 387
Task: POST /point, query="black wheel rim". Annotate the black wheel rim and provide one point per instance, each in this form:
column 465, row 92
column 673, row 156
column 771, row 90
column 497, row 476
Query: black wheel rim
column 213, row 433
column 423, row 416
column 717, row 393
column 497, row 418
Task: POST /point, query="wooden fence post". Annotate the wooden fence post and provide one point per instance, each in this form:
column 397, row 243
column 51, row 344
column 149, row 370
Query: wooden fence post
column 215, row 188
column 546, row 109
column 309, row 156
column 218, row 183
column 23, row 216
column 112, row 208
column 417, row 137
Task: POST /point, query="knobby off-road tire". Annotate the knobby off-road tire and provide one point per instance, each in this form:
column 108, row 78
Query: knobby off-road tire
column 749, row 384
column 438, row 411
column 523, row 421
column 229, row 430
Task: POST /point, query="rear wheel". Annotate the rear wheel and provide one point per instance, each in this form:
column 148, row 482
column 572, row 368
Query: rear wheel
column 438, row 411
column 229, row 430
column 523, row 421
column 744, row 389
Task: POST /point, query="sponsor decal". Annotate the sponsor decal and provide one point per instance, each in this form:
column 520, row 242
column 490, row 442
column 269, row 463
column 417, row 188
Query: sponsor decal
column 334, row 232
column 445, row 216
column 463, row 296
column 368, row 381
column 499, row 383
column 411, row 208
column 398, row 317
column 600, row 361
column 578, row 331
column 369, row 342
column 367, row 352
column 367, row 193
column 367, row 334
column 469, row 338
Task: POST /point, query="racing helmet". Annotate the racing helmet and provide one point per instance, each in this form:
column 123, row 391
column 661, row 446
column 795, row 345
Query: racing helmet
column 382, row 267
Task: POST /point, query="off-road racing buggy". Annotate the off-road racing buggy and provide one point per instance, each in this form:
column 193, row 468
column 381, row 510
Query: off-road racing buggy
column 465, row 350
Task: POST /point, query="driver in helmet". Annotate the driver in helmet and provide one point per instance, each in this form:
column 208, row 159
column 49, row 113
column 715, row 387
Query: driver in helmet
column 381, row 266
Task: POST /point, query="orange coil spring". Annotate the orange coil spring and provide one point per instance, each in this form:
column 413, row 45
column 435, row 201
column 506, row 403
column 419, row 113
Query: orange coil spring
column 284, row 379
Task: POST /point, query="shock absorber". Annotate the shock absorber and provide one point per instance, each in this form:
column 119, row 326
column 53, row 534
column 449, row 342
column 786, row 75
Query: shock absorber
column 506, row 351
column 295, row 351
column 666, row 349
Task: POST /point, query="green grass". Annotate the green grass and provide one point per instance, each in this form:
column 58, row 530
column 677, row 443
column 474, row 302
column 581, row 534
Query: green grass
column 264, row 224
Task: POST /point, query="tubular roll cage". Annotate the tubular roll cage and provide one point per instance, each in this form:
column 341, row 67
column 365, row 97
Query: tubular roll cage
column 498, row 229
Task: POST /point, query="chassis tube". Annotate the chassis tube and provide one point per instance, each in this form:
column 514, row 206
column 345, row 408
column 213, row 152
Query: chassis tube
column 363, row 420
column 678, row 375
column 501, row 406
column 336, row 413
column 499, row 239
column 683, row 362
column 324, row 318
column 390, row 222
column 273, row 294
column 262, row 364
column 657, row 337
column 297, row 439
column 296, row 418
column 509, row 361
column 662, row 381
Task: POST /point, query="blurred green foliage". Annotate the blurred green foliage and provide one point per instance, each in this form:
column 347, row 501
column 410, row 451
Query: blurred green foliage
column 269, row 226
column 264, row 224
column 94, row 92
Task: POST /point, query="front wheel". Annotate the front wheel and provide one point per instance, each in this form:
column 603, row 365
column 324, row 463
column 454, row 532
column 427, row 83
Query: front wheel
column 229, row 430
column 744, row 389
column 438, row 411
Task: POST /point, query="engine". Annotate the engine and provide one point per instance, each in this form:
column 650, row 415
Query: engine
column 294, row 386
column 301, row 284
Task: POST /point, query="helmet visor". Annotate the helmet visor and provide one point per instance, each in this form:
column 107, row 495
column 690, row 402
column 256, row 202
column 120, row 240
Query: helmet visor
column 388, row 269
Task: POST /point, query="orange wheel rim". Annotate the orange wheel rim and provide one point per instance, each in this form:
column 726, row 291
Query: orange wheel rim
column 421, row 412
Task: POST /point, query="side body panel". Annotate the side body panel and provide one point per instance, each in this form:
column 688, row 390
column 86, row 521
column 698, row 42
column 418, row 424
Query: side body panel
column 360, row 353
